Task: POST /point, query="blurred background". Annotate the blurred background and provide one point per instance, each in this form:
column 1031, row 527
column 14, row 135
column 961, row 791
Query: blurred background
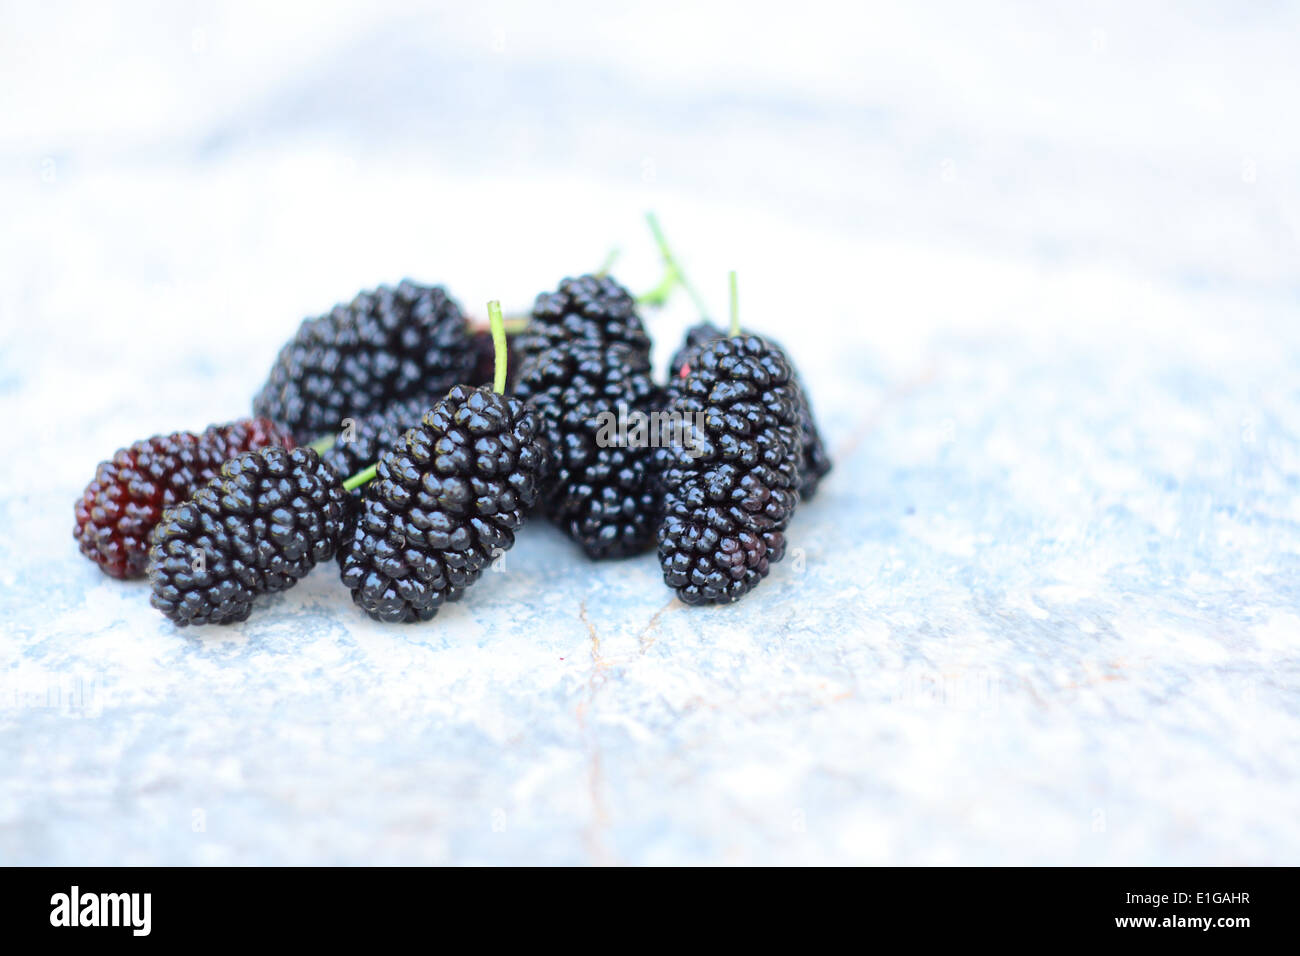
column 1037, row 262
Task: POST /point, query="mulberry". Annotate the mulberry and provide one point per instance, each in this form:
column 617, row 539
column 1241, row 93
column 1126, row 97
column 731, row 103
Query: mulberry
column 445, row 501
column 601, row 493
column 385, row 345
column 816, row 462
column 592, row 311
column 258, row 527
column 119, row 509
column 729, row 494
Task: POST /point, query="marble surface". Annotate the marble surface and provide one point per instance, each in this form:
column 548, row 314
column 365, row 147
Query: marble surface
column 1040, row 272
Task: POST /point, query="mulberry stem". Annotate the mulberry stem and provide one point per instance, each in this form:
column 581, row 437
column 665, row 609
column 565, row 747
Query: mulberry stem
column 498, row 345
column 735, row 304
column 658, row 296
column 360, row 478
column 674, row 275
column 321, row 445
column 611, row 257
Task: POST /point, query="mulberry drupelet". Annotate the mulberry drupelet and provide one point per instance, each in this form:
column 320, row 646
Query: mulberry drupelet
column 258, row 527
column 119, row 509
column 384, row 346
column 729, row 496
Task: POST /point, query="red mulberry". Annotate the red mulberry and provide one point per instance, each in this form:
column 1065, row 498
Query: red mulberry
column 117, row 512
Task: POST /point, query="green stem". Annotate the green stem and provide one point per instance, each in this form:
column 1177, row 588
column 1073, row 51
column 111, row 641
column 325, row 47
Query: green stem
column 673, row 267
column 360, row 478
column 322, row 445
column 735, row 304
column 611, row 257
column 498, row 324
column 658, row 296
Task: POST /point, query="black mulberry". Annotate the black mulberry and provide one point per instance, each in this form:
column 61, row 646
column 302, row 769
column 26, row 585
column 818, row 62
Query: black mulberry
column 729, row 494
column 816, row 462
column 258, row 527
column 116, row 514
column 385, row 345
column 601, row 491
column 445, row 501
column 592, row 311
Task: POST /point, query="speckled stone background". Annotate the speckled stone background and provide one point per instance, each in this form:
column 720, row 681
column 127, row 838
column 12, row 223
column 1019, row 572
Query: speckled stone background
column 1040, row 269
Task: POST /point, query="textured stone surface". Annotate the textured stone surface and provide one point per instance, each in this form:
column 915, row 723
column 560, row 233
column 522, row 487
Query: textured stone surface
column 1044, row 611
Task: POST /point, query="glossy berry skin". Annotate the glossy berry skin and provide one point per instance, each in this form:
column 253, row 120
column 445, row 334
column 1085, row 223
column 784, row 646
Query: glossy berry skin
column 816, row 462
column 259, row 527
column 117, row 512
column 383, row 346
column 590, row 311
column 725, row 511
column 372, row 434
column 601, row 493
column 445, row 502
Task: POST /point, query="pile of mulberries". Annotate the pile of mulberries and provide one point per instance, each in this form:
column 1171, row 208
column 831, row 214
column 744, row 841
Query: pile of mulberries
column 445, row 503
column 383, row 346
column 379, row 443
